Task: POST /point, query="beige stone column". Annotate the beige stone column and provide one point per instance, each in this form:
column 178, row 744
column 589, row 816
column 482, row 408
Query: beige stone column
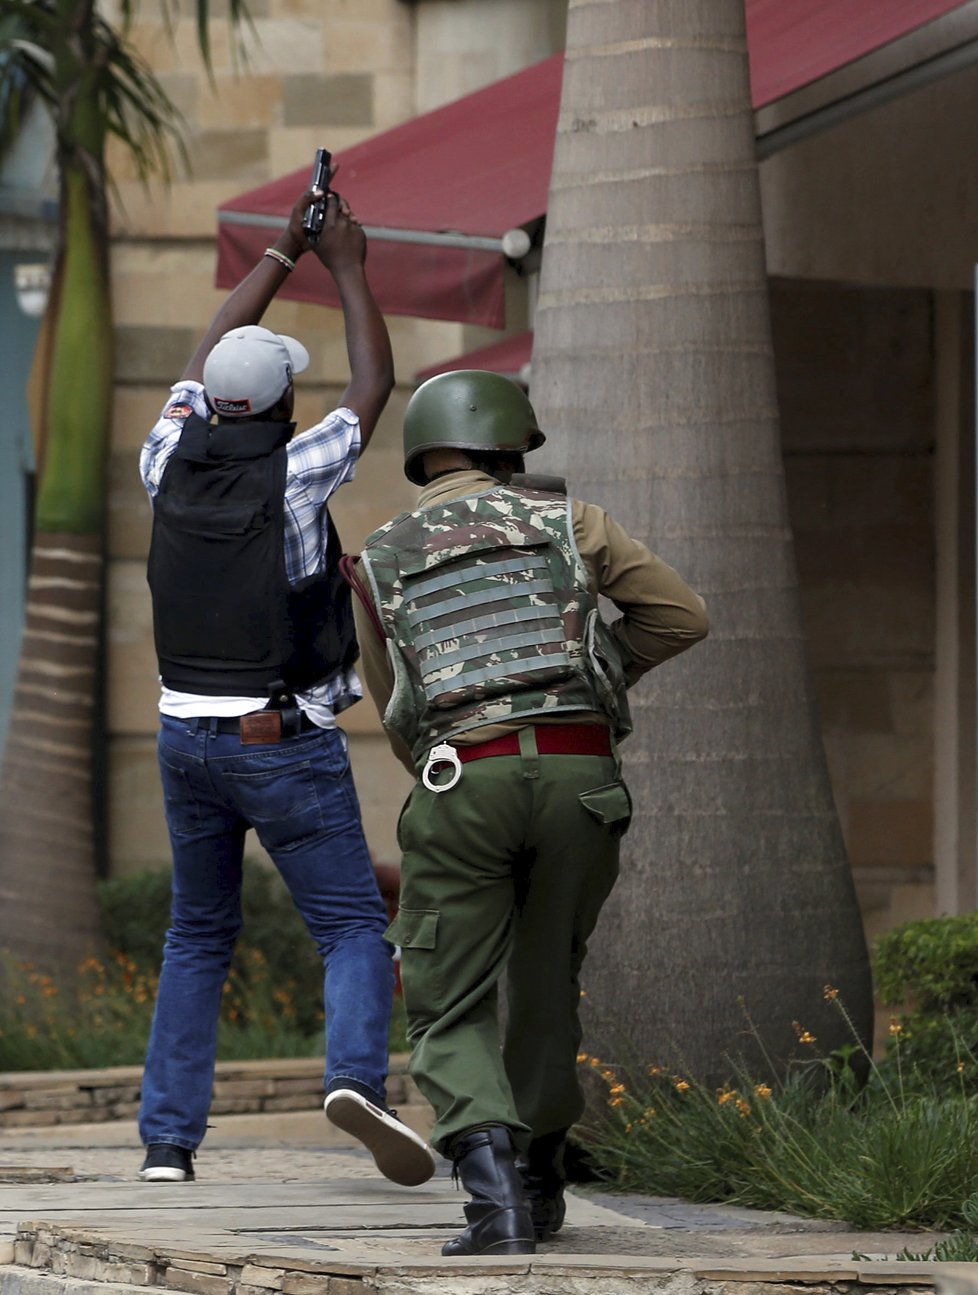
column 955, row 854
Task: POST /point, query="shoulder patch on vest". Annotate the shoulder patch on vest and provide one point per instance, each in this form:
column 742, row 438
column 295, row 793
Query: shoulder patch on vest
column 178, row 411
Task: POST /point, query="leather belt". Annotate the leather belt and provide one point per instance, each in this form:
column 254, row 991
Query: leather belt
column 232, row 724
column 551, row 739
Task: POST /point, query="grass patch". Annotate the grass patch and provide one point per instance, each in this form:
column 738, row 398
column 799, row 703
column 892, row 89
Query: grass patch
column 885, row 1154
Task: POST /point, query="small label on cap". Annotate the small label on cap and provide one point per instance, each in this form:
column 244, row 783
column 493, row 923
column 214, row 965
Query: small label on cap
column 231, row 406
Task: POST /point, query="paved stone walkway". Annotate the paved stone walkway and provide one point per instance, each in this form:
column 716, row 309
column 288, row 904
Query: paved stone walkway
column 283, row 1203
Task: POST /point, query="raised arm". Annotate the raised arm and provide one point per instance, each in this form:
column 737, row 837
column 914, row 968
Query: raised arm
column 247, row 303
column 342, row 248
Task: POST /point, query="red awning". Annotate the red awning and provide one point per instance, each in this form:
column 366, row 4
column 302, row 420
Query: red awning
column 794, row 42
column 437, row 193
column 508, row 356
column 478, row 167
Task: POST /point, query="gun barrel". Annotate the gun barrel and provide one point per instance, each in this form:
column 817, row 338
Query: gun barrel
column 315, row 215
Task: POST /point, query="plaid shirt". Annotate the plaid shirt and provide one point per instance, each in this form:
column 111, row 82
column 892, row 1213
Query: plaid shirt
column 320, row 460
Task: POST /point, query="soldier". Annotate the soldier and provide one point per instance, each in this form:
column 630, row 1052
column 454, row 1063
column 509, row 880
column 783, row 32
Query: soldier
column 502, row 688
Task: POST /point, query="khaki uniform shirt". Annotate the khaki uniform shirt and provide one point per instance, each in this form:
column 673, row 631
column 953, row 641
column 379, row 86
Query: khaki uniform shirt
column 661, row 615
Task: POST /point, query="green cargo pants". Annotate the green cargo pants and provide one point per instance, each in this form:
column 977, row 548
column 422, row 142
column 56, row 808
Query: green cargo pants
column 508, row 870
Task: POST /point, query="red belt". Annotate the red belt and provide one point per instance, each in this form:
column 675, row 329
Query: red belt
column 552, row 739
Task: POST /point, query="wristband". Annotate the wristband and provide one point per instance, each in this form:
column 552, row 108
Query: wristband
column 282, row 259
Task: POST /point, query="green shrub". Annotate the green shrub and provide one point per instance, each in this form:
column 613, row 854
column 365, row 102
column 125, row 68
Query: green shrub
column 930, row 968
column 933, row 961
column 103, row 1017
column 272, row 1004
column 136, row 913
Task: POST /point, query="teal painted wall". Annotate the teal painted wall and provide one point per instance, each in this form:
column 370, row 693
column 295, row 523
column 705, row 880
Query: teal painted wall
column 19, row 334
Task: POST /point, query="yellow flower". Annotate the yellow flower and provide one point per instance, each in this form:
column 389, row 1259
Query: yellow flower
column 617, row 1089
column 582, row 1057
column 896, row 1029
column 616, row 1101
column 830, row 993
column 960, row 1067
column 655, row 1071
column 725, row 1095
column 648, row 1114
column 762, row 1090
column 682, row 1085
column 743, row 1106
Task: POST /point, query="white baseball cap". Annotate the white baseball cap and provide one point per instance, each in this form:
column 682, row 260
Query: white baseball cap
column 250, row 369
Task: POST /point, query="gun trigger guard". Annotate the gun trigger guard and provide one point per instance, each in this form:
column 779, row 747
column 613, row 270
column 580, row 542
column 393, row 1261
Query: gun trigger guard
column 442, row 754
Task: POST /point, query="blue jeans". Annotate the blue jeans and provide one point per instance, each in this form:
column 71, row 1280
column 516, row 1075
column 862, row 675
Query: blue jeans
column 299, row 797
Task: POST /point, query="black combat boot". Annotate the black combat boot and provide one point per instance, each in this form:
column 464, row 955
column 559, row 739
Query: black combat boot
column 498, row 1217
column 542, row 1171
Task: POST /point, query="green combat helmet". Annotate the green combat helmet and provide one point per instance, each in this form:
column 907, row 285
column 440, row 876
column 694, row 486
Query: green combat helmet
column 470, row 409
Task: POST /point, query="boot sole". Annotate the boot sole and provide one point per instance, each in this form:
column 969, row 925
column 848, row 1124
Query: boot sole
column 398, row 1152
column 164, row 1175
column 514, row 1246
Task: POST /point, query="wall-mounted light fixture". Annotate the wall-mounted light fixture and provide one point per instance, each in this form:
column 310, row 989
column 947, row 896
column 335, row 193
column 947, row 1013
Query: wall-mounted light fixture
column 33, row 283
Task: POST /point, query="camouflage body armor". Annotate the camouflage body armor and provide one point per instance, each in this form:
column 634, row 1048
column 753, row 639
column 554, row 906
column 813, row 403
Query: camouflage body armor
column 489, row 618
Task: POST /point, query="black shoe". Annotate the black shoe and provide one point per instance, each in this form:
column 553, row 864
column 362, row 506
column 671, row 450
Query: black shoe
column 167, row 1163
column 498, row 1217
column 542, row 1172
column 399, row 1153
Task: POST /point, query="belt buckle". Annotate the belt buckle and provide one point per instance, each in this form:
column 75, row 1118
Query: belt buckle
column 442, row 754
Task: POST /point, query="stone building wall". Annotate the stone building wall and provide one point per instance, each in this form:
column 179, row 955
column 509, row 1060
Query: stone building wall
column 856, row 389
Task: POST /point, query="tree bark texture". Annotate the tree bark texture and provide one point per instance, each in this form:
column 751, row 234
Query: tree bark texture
column 653, row 375
column 48, row 910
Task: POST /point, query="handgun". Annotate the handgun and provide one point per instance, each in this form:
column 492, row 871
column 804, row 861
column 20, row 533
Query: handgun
column 312, row 221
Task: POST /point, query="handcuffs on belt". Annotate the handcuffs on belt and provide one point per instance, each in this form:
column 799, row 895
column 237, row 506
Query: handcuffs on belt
column 442, row 754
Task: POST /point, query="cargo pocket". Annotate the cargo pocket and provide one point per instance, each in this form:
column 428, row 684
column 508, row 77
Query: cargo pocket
column 415, row 932
column 414, row 928
column 611, row 805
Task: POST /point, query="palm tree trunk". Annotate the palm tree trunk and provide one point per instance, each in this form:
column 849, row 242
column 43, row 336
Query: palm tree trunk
column 653, row 372
column 49, row 778
column 48, row 913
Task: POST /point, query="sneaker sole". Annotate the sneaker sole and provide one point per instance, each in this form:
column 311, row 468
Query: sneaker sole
column 398, row 1152
column 162, row 1174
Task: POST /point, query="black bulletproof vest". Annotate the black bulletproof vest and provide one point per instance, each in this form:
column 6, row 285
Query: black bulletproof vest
column 227, row 623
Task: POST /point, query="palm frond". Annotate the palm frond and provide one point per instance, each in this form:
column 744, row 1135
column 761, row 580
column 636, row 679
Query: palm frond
column 239, row 17
column 137, row 110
